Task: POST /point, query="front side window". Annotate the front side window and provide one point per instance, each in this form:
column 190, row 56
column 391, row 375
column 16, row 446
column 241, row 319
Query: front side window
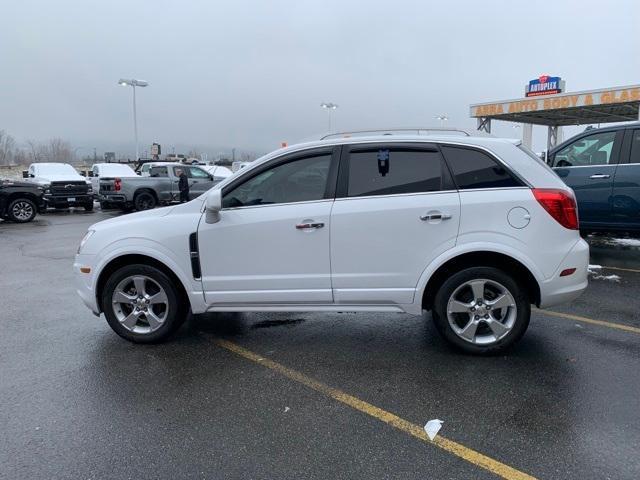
column 197, row 173
column 390, row 171
column 476, row 169
column 592, row 150
column 300, row 180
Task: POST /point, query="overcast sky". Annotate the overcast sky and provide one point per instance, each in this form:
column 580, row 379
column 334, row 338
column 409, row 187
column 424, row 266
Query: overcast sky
column 252, row 74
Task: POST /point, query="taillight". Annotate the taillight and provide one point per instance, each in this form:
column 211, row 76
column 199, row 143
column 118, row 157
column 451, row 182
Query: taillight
column 560, row 204
column 117, row 184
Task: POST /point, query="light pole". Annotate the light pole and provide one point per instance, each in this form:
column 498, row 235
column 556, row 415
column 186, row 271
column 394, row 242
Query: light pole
column 123, row 82
column 443, row 118
column 329, row 107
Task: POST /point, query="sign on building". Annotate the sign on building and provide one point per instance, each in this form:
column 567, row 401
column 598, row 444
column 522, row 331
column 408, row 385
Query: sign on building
column 544, row 85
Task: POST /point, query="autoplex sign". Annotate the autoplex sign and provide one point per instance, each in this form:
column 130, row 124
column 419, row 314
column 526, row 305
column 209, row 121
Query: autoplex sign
column 544, row 85
column 584, row 99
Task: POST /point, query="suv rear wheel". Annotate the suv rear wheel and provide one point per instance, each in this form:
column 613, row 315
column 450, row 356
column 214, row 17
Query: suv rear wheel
column 481, row 310
column 142, row 304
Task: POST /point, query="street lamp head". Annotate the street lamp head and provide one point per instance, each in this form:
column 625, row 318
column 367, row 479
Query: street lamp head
column 329, row 106
column 132, row 82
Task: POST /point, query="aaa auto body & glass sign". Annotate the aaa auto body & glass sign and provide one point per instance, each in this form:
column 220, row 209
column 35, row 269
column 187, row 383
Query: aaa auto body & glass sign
column 565, row 100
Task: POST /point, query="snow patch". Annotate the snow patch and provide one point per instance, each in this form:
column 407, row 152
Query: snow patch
column 610, row 278
column 627, row 242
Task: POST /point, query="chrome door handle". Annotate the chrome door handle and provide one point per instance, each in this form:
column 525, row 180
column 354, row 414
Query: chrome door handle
column 435, row 216
column 599, row 175
column 304, row 226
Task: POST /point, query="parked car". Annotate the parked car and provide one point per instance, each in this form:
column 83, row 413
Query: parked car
column 63, row 186
column 159, row 188
column 603, row 168
column 20, row 202
column 238, row 165
column 99, row 170
column 219, row 172
column 474, row 229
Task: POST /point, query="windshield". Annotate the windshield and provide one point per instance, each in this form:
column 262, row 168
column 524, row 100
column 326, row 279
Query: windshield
column 55, row 169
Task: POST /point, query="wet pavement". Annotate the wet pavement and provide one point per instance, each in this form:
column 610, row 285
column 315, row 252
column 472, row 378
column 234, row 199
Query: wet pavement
column 76, row 401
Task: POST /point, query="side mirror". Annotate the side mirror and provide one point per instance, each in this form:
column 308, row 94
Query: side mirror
column 213, row 205
column 25, row 174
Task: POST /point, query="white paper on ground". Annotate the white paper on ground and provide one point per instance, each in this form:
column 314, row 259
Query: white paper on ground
column 286, row 409
column 432, row 428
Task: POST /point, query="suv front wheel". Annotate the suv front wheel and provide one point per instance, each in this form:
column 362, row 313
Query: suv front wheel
column 481, row 310
column 142, row 304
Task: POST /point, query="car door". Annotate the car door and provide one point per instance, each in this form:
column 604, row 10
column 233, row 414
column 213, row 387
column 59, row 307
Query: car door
column 588, row 165
column 626, row 184
column 271, row 244
column 199, row 181
column 395, row 211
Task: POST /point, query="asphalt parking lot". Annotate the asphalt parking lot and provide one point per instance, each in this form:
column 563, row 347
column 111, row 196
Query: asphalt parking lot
column 308, row 395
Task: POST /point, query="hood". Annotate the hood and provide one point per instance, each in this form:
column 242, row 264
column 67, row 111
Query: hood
column 155, row 213
column 60, row 178
column 9, row 182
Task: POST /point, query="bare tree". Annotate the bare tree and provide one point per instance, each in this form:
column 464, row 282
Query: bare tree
column 59, row 150
column 6, row 147
column 35, row 152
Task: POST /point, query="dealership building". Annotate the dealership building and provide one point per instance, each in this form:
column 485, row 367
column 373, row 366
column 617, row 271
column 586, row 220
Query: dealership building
column 546, row 103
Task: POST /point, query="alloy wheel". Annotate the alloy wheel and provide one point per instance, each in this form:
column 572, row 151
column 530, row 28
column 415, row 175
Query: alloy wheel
column 481, row 311
column 140, row 304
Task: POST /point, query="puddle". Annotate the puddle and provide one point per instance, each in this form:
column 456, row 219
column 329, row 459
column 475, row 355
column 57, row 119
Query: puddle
column 277, row 323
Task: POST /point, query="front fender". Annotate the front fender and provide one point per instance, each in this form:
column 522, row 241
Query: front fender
column 150, row 248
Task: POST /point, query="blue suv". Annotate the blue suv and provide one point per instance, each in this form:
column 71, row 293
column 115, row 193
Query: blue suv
column 603, row 168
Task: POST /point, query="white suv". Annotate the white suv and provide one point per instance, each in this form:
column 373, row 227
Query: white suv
column 474, row 229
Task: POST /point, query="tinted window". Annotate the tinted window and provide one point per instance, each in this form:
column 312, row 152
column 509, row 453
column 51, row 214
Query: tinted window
column 388, row 171
column 635, row 147
column 475, row 169
column 591, row 150
column 158, row 172
column 297, row 181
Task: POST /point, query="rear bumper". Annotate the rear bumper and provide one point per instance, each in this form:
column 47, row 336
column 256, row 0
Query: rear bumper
column 112, row 198
column 565, row 289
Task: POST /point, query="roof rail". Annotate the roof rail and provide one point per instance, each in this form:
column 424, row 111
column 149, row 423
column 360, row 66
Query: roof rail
column 391, row 131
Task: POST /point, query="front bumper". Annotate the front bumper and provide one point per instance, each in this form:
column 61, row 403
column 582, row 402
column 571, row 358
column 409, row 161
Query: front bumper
column 85, row 282
column 57, row 201
column 559, row 289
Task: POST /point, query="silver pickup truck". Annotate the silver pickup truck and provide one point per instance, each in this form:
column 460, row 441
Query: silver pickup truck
column 159, row 188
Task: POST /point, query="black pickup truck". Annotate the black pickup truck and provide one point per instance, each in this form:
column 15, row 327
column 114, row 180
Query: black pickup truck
column 20, row 201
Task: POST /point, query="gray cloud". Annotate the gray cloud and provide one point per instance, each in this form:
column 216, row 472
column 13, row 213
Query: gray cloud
column 252, row 74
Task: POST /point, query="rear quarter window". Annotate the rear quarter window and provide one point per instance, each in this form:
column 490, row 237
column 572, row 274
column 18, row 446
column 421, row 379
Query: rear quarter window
column 473, row 168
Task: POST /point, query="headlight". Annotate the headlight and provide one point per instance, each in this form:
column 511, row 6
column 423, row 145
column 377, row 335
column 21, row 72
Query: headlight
column 86, row 237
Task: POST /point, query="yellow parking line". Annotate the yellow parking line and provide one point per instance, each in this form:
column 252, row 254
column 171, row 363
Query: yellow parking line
column 602, row 323
column 476, row 458
column 604, row 267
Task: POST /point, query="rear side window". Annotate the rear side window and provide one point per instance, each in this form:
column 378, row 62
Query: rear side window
column 389, row 171
column 475, row 169
column 158, row 172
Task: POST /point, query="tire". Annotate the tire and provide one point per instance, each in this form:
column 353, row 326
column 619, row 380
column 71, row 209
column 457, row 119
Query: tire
column 22, row 210
column 105, row 205
column 144, row 201
column 88, row 207
column 135, row 325
column 496, row 329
